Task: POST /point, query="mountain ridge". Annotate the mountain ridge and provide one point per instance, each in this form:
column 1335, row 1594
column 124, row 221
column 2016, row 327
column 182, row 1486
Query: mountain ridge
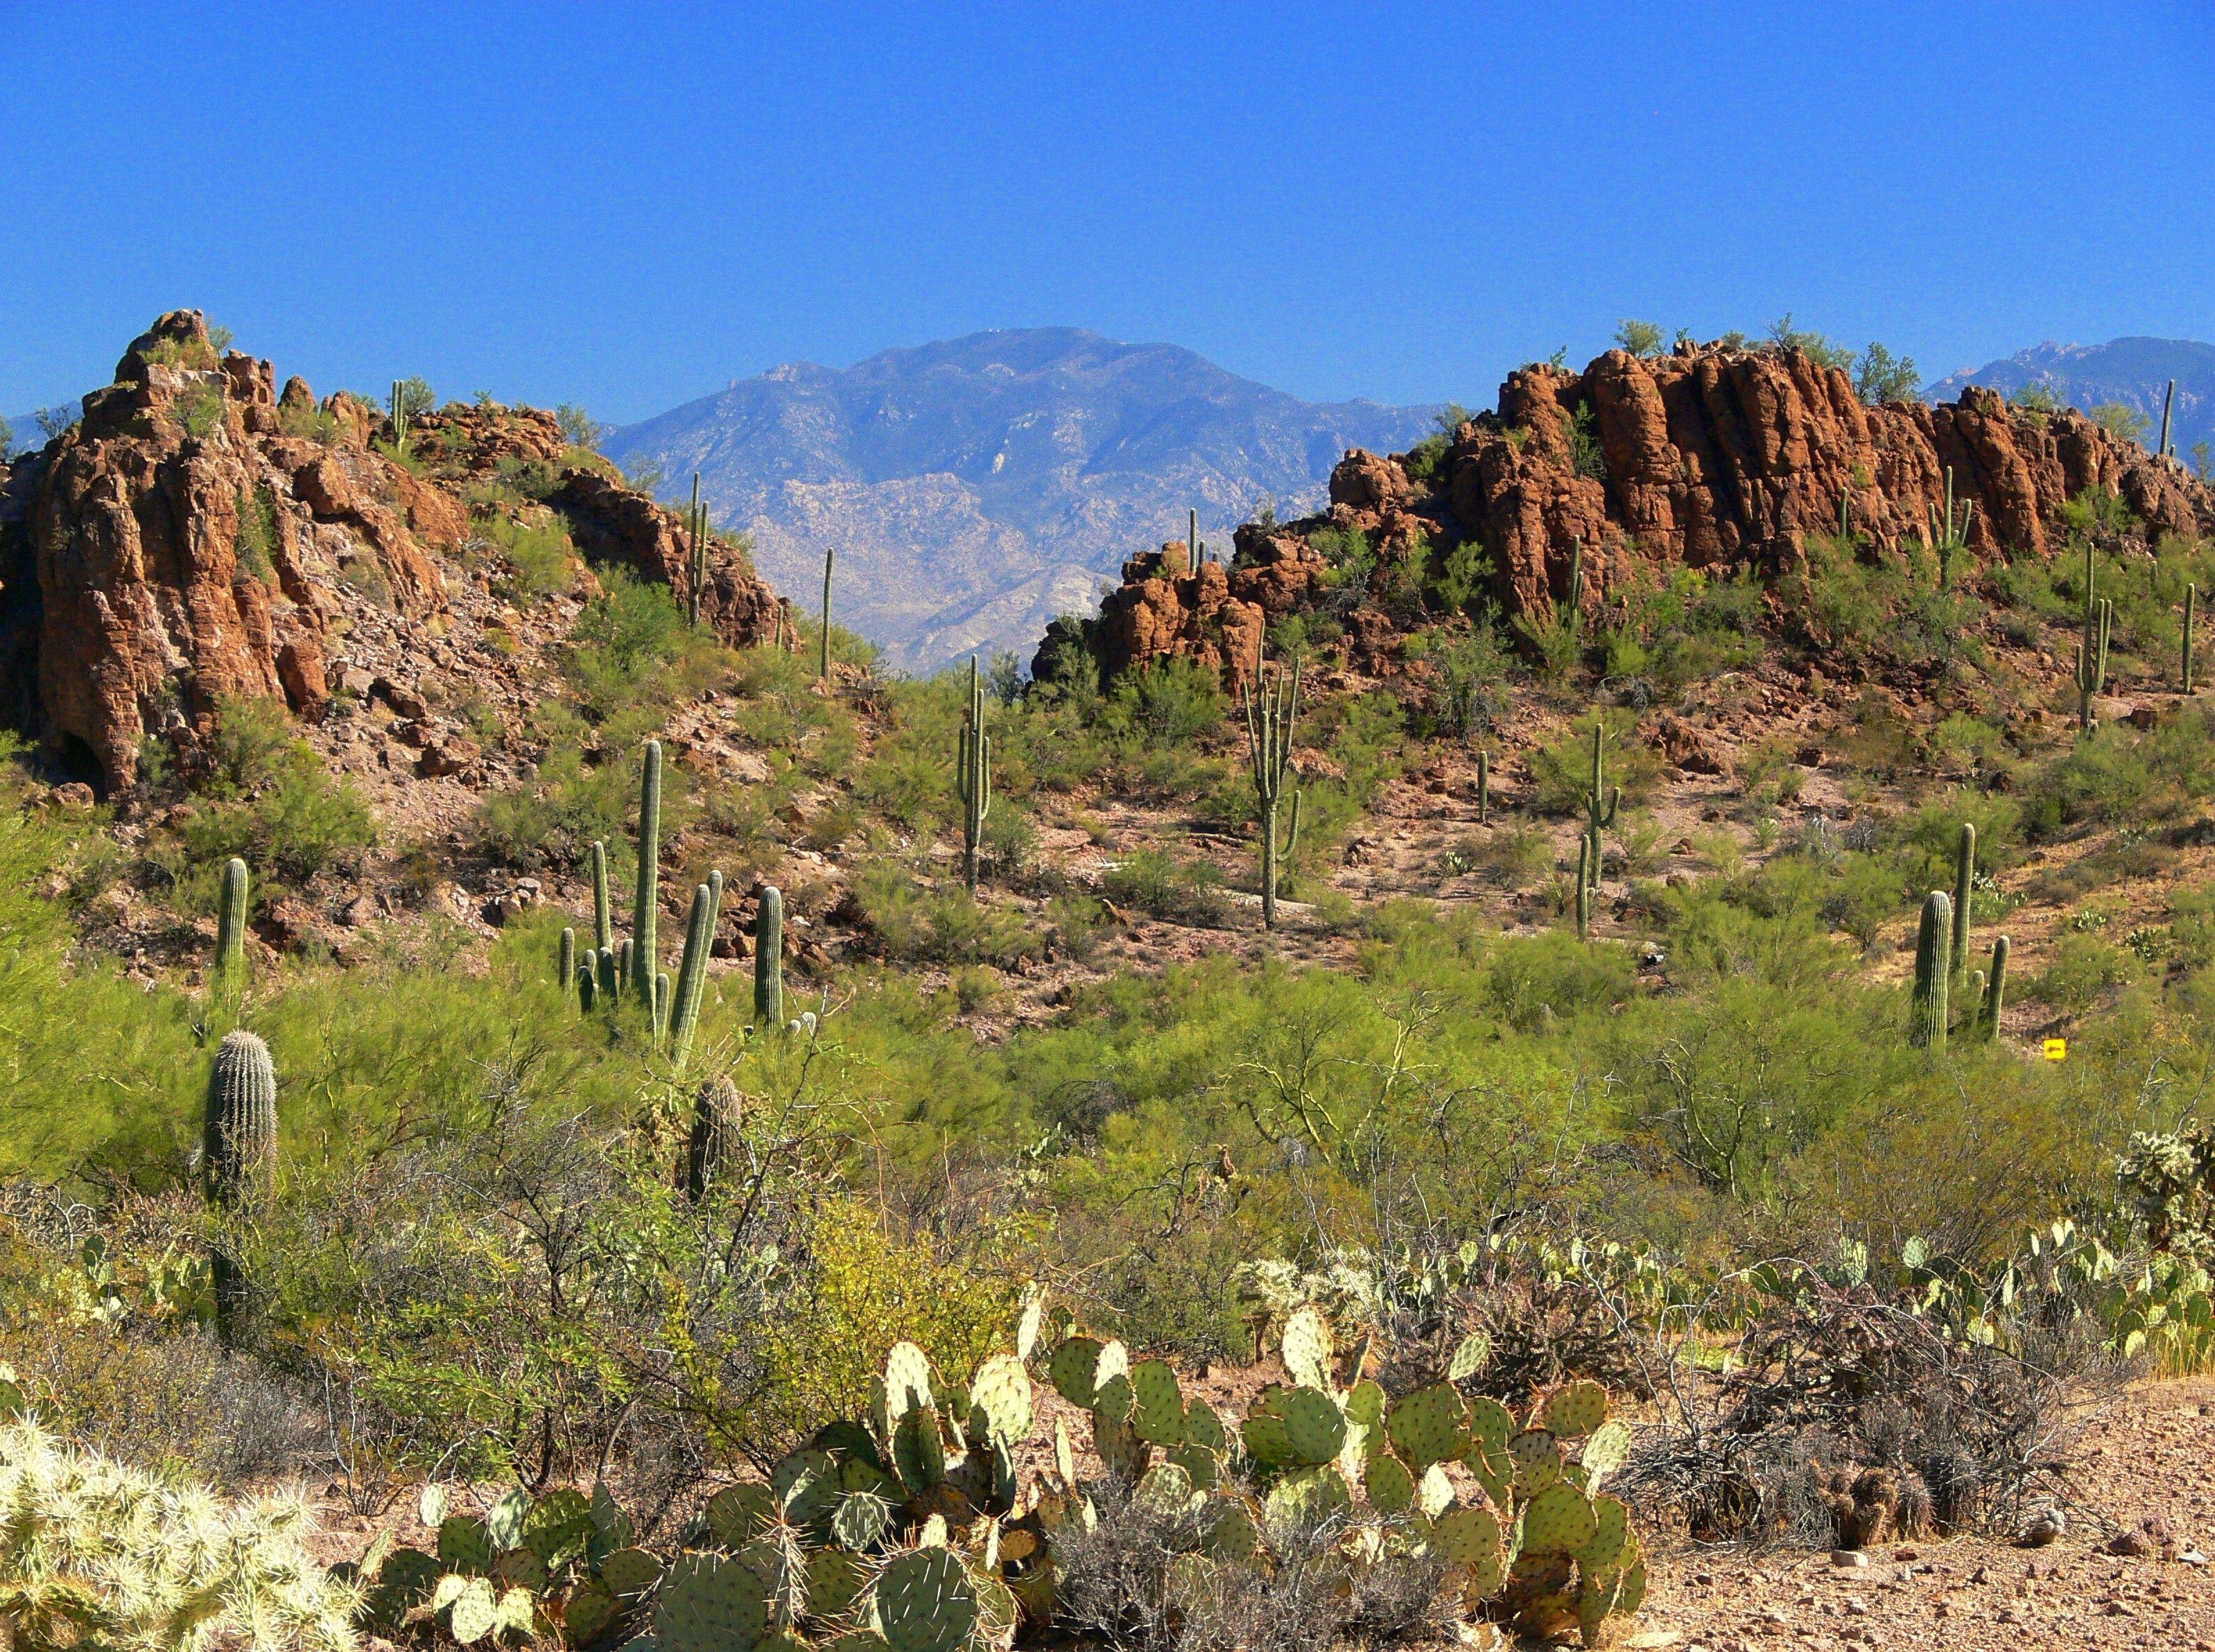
column 2134, row 371
column 977, row 487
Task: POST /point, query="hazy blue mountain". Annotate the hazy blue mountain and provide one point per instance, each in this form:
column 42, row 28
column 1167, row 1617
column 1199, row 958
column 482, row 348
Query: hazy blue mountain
column 975, row 488
column 2133, row 371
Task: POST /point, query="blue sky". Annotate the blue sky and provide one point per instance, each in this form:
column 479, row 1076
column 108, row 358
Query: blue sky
column 626, row 206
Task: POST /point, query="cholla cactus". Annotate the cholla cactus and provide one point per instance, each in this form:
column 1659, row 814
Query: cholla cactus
column 2168, row 1179
column 95, row 1554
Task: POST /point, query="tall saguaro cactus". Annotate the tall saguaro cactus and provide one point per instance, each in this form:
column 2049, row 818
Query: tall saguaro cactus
column 2168, row 402
column 230, row 925
column 1601, row 804
column 692, row 974
column 399, row 416
column 2191, row 605
column 1988, row 1024
column 1483, row 788
column 1949, row 536
column 1584, row 888
column 1965, row 878
column 647, row 904
column 603, row 922
column 1926, row 1027
column 823, row 658
column 768, row 959
column 973, row 776
column 2092, row 645
column 696, row 522
column 1272, row 707
column 714, row 1135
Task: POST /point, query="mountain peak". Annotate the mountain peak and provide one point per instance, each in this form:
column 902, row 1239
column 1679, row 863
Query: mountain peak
column 976, row 487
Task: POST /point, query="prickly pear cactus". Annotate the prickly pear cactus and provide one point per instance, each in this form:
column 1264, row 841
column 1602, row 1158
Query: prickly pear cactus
column 710, row 1603
column 1558, row 1521
column 1001, row 1404
column 738, row 1514
column 1081, row 1363
column 1574, row 1409
column 925, row 1601
column 1158, row 1404
column 1427, row 1425
column 1306, row 1350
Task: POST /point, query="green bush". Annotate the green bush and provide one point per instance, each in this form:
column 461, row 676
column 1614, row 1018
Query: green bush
column 1180, row 892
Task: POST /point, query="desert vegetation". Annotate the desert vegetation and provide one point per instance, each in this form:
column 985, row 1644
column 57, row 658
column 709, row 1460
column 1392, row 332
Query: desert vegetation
column 688, row 1135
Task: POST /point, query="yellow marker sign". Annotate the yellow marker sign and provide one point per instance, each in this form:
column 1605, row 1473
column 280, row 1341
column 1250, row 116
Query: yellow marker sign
column 2057, row 1049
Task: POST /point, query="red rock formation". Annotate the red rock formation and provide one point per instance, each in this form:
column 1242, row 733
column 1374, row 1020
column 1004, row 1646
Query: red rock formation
column 196, row 537
column 1707, row 457
column 1723, row 457
column 612, row 523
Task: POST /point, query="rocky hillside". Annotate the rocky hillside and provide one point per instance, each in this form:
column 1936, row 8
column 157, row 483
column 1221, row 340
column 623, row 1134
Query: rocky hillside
column 1711, row 458
column 2133, row 372
column 977, row 487
column 198, row 539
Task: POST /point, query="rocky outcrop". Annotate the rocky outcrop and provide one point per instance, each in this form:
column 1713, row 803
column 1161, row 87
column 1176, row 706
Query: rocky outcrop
column 612, row 523
column 1707, row 457
column 197, row 537
column 1715, row 457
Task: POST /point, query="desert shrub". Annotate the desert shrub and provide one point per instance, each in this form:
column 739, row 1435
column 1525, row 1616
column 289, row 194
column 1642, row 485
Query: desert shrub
column 917, row 925
column 272, row 801
column 1181, row 892
column 1472, row 677
column 541, row 560
column 1166, row 702
column 2082, row 968
column 1562, row 770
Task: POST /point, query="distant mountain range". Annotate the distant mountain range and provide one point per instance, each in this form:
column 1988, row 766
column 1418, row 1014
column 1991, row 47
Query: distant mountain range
column 2133, row 371
column 977, row 487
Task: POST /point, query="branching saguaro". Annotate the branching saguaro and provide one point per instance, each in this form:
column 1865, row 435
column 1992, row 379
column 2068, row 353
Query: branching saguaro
column 1272, row 703
column 973, row 776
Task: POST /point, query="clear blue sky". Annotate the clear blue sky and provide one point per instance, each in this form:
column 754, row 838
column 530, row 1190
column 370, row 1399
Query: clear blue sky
column 626, row 205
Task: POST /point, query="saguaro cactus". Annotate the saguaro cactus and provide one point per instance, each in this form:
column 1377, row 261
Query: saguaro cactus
column 1988, row 1024
column 231, row 923
column 692, row 974
column 2168, row 402
column 696, row 521
column 2092, row 647
column 1965, row 878
column 2191, row 603
column 646, row 904
column 238, row 1144
column 822, row 660
column 564, row 969
column 714, row 1135
column 1483, row 788
column 1576, row 578
column 768, row 959
column 1950, row 537
column 1584, row 888
column 1601, row 804
column 604, row 923
column 1272, row 707
column 399, row 416
column 1928, row 1026
column 973, row 776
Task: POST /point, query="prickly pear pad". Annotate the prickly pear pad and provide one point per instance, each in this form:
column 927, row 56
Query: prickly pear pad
column 925, row 1602
column 710, row 1603
column 1427, row 1424
column 1158, row 1403
column 1391, row 1488
column 1538, row 1459
column 1000, row 1396
column 1611, row 1531
column 1557, row 1520
column 1315, row 1428
column 1306, row 1349
column 1576, row 1409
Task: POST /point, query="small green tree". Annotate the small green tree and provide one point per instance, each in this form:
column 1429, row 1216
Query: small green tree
column 2125, row 424
column 578, row 428
column 1639, row 338
column 1882, row 377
